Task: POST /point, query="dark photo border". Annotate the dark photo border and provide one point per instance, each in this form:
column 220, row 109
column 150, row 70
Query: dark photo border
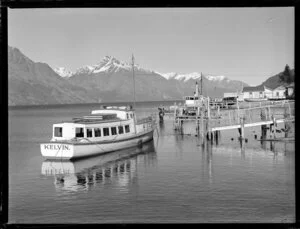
column 16, row 4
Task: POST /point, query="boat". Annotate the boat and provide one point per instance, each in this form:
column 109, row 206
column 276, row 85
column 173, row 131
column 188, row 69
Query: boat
column 105, row 130
column 255, row 99
column 276, row 99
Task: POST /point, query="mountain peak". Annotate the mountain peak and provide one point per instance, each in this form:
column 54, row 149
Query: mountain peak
column 63, row 72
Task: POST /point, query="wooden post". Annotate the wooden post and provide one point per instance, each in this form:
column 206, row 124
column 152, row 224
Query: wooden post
column 272, row 130
column 286, row 127
column 202, row 126
column 216, row 135
column 242, row 134
column 208, row 108
column 175, row 121
column 263, row 131
column 274, row 125
column 263, row 127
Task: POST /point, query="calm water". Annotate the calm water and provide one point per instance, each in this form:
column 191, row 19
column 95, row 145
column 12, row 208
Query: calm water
column 171, row 179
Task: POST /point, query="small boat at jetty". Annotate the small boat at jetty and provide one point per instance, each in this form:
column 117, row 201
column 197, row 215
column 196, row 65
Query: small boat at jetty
column 105, row 130
column 255, row 99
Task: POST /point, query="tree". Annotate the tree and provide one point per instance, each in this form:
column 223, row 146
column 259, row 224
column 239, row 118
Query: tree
column 286, row 76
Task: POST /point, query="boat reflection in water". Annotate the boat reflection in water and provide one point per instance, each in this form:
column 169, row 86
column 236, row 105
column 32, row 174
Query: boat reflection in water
column 118, row 167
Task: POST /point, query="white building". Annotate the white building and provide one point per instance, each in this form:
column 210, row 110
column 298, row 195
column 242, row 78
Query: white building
column 260, row 92
column 290, row 90
column 238, row 95
column 279, row 93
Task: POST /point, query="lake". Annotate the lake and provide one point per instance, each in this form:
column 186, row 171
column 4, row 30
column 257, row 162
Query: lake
column 172, row 179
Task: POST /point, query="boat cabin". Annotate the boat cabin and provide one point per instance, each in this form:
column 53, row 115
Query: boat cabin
column 104, row 124
column 193, row 101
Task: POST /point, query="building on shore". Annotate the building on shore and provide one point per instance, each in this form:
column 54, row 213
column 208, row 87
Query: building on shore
column 279, row 92
column 238, row 95
column 290, row 90
column 263, row 93
column 259, row 92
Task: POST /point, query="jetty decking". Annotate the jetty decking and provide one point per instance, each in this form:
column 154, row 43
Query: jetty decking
column 209, row 120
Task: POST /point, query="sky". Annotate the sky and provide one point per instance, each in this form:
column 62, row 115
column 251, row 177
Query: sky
column 247, row 44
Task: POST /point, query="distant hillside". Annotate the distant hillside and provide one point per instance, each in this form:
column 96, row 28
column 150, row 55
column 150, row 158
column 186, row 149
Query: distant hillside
column 283, row 78
column 33, row 83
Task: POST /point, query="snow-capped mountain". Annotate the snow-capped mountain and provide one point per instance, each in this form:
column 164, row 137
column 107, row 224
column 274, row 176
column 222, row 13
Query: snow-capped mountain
column 108, row 64
column 167, row 76
column 63, row 72
column 193, row 75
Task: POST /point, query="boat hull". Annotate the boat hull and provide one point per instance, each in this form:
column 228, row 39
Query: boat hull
column 67, row 150
column 256, row 100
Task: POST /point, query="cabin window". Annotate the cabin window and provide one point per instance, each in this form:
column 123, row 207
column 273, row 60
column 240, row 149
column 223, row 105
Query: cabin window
column 79, row 132
column 196, row 98
column 127, row 129
column 97, row 132
column 58, row 131
column 191, row 98
column 89, row 132
column 277, row 93
column 113, row 130
column 127, row 115
column 131, row 116
column 250, row 93
column 120, row 129
column 105, row 131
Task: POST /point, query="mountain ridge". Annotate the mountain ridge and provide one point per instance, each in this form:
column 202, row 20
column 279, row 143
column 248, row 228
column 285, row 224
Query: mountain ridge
column 111, row 64
column 35, row 83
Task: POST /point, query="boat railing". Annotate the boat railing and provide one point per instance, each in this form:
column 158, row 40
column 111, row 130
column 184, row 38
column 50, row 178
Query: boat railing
column 144, row 120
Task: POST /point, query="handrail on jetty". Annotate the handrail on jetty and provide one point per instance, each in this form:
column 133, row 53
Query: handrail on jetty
column 259, row 114
column 263, row 113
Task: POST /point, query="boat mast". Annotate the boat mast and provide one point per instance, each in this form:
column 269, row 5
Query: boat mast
column 134, row 118
column 133, row 81
column 201, row 84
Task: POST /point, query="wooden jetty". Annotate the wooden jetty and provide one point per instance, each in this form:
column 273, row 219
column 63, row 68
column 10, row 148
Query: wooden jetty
column 209, row 122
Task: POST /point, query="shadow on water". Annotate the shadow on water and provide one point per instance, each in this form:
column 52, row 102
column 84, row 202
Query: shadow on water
column 119, row 166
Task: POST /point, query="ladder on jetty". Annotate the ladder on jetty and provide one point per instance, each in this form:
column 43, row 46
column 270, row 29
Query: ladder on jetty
column 260, row 114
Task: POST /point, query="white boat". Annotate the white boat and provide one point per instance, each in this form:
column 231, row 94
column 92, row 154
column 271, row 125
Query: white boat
column 255, row 99
column 105, row 130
